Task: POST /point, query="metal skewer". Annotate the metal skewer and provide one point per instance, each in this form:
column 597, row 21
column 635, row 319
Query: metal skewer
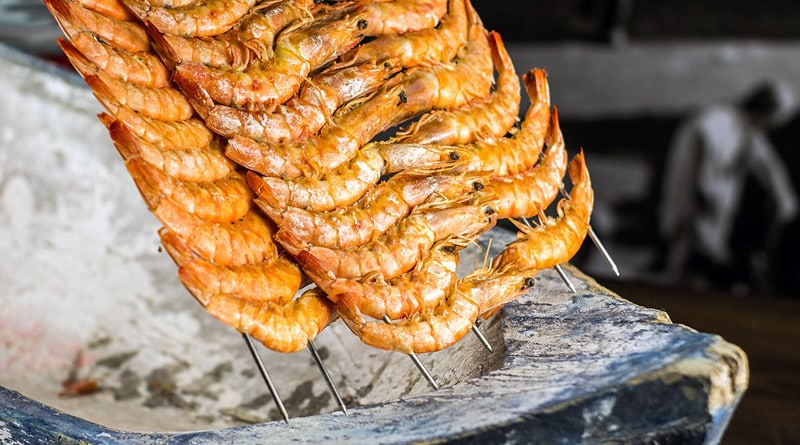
column 417, row 362
column 327, row 376
column 484, row 341
column 263, row 370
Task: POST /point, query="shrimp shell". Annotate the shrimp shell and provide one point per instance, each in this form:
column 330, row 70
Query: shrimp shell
column 246, row 241
column 401, row 16
column 207, row 18
column 530, row 192
column 198, row 164
column 274, row 282
column 225, row 200
column 282, row 328
column 129, row 36
column 109, row 8
column 175, row 135
column 555, row 241
column 380, row 209
column 339, row 188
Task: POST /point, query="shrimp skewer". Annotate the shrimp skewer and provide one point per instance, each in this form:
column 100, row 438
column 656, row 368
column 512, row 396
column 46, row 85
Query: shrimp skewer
column 367, row 219
column 555, row 241
column 339, row 188
column 416, row 91
column 282, row 328
column 530, row 192
column 304, row 114
column 394, row 253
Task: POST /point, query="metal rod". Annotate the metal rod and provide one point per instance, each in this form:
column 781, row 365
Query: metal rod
column 482, row 338
column 565, row 278
column 327, row 376
column 417, row 362
column 263, row 370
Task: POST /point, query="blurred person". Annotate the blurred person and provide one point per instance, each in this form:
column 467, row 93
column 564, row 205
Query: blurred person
column 712, row 155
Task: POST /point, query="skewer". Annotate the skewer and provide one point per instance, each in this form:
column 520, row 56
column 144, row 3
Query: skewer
column 597, row 243
column 417, row 362
column 265, row 375
column 484, row 341
column 327, row 376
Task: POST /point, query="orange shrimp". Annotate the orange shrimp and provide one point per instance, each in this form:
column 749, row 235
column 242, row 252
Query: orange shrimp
column 176, row 135
column 129, row 36
column 109, row 8
column 415, row 91
column 304, row 114
column 246, row 241
column 414, row 292
column 441, row 327
column 165, row 104
column 339, row 188
column 142, row 68
column 401, row 16
column 487, row 119
column 175, row 247
column 207, row 18
column 367, row 219
column 395, row 252
column 275, row 282
column 197, row 164
column 555, row 241
column 415, row 48
column 282, row 328
column 267, row 85
column 531, row 191
column 224, row 200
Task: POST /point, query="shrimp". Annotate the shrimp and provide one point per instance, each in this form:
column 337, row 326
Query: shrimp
column 129, row 36
column 224, row 200
column 142, row 68
column 487, row 119
column 109, row 8
column 208, row 18
column 411, row 293
column 531, row 191
column 416, row 91
column 555, row 241
column 274, row 282
column 194, row 163
column 339, row 188
column 281, row 328
column 176, row 135
column 402, row 16
column 177, row 249
column 415, row 48
column 441, row 327
column 395, row 252
column 267, row 85
column 304, row 114
column 372, row 216
column 246, row 241
column 164, row 104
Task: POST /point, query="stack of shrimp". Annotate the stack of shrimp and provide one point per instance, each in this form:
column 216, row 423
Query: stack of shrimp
column 254, row 132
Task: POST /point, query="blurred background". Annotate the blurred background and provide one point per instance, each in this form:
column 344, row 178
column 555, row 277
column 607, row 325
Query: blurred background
column 687, row 112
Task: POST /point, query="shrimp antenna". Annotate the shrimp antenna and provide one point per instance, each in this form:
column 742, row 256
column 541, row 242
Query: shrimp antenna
column 597, row 243
column 558, row 268
column 417, row 362
column 327, row 376
column 265, row 375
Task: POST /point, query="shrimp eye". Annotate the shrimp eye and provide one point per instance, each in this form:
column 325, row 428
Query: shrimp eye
column 454, row 156
column 488, row 211
column 403, row 97
column 477, row 186
column 387, row 65
column 362, row 24
column 449, row 248
column 529, row 282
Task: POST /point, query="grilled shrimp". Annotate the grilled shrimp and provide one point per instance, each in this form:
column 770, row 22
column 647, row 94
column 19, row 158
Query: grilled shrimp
column 424, row 47
column 128, row 36
column 109, row 8
column 441, row 327
column 555, row 241
column 402, row 16
column 246, row 241
column 197, row 164
column 207, row 18
column 224, row 200
column 367, row 219
column 282, row 328
column 531, row 191
column 304, row 114
column 176, row 135
column 411, row 293
column 338, row 188
column 274, row 282
column 393, row 253
column 415, row 91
